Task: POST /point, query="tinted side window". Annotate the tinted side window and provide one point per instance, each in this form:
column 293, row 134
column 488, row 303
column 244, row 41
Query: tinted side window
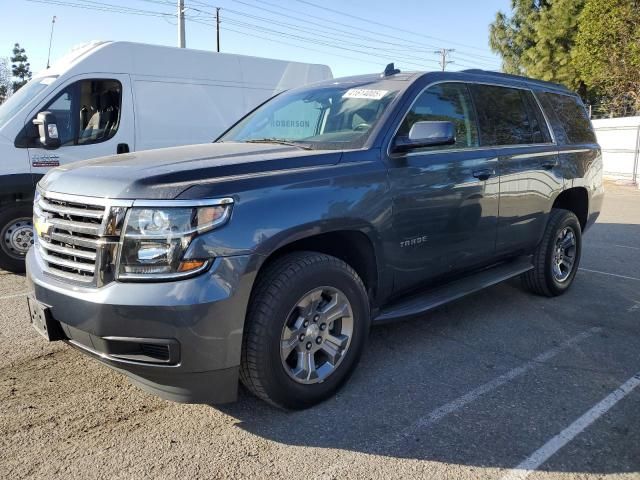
column 572, row 116
column 506, row 116
column 446, row 102
column 539, row 129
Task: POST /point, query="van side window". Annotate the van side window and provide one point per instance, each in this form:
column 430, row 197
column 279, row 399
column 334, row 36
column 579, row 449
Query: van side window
column 449, row 102
column 86, row 112
column 573, row 117
column 506, row 116
column 99, row 110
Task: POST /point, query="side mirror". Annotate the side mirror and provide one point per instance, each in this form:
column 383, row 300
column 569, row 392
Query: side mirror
column 426, row 134
column 48, row 130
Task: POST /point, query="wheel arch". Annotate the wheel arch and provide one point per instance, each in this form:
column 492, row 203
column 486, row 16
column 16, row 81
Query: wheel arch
column 576, row 200
column 352, row 246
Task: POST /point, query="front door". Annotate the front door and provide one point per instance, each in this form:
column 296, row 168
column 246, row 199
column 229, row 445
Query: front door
column 94, row 118
column 445, row 199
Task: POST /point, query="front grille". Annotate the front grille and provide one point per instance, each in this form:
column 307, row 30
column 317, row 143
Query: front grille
column 77, row 237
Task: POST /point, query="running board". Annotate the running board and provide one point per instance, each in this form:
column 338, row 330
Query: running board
column 430, row 299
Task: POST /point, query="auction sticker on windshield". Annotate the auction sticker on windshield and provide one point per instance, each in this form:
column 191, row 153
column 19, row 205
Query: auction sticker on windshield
column 365, row 93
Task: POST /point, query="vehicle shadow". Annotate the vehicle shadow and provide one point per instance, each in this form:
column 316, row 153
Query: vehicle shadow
column 412, row 368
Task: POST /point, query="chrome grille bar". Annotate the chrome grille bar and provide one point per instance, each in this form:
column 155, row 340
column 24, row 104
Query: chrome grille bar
column 71, row 235
column 70, row 264
column 47, row 206
column 68, row 251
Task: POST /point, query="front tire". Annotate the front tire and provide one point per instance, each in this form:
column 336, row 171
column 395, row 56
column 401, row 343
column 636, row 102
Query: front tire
column 557, row 257
column 307, row 324
column 16, row 236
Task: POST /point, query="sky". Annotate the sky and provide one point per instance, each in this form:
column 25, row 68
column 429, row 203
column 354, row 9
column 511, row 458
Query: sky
column 351, row 36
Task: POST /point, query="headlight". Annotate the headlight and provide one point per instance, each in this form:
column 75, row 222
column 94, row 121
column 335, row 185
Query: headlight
column 157, row 238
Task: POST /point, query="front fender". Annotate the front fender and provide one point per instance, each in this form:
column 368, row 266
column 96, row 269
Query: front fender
column 276, row 209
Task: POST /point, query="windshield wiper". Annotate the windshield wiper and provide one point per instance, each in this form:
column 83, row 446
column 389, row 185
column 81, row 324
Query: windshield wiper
column 279, row 142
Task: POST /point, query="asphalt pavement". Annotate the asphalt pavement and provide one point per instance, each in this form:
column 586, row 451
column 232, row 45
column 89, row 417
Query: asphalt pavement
column 501, row 384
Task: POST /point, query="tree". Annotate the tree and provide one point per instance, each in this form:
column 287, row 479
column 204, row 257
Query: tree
column 20, row 67
column 607, row 52
column 537, row 39
column 5, row 80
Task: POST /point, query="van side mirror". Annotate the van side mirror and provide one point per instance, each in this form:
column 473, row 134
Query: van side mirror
column 48, row 130
column 426, row 134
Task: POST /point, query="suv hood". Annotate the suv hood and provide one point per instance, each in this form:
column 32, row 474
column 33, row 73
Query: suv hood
column 165, row 173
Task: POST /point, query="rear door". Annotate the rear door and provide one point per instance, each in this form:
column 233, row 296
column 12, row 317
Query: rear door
column 512, row 122
column 94, row 116
column 445, row 198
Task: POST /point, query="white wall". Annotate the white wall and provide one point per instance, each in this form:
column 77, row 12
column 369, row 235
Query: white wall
column 620, row 142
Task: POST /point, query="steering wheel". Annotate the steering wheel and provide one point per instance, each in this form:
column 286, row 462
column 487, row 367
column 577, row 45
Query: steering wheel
column 361, row 126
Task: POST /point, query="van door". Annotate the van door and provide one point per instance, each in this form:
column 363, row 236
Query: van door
column 511, row 121
column 94, row 118
column 445, row 198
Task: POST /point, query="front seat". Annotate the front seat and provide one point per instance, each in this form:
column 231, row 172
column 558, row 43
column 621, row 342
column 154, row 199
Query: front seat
column 100, row 123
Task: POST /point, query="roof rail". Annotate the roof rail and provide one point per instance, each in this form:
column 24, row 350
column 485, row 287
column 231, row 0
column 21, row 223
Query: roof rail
column 542, row 83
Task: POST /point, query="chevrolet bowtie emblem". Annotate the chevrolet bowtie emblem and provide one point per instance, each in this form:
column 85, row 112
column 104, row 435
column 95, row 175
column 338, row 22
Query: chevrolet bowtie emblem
column 41, row 226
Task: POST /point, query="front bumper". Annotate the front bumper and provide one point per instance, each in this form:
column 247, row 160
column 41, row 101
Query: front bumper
column 199, row 320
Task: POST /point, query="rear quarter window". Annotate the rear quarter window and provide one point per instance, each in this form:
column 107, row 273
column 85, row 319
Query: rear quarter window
column 573, row 125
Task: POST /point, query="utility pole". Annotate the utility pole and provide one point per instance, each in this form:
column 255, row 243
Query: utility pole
column 181, row 23
column 53, row 22
column 218, row 28
column 444, row 53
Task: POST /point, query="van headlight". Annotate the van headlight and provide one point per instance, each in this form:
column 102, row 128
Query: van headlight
column 156, row 239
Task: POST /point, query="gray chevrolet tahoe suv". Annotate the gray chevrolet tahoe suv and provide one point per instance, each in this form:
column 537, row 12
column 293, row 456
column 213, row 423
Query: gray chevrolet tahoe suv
column 267, row 255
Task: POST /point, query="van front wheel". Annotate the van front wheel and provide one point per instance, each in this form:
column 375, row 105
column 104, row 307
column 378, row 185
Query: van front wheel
column 16, row 236
column 306, row 326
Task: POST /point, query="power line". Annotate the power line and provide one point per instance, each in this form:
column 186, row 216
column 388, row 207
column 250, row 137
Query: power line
column 343, row 46
column 406, row 45
column 373, row 22
column 409, row 59
column 253, row 35
column 105, row 7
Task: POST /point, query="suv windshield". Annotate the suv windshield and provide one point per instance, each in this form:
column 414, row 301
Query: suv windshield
column 16, row 101
column 331, row 117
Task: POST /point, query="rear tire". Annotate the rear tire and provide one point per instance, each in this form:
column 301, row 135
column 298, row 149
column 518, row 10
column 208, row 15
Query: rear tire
column 557, row 257
column 307, row 324
column 16, row 236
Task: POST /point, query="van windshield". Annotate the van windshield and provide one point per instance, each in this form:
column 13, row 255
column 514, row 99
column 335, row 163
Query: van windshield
column 19, row 99
column 331, row 117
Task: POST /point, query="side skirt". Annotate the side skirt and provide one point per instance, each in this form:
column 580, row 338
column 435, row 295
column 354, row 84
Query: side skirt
column 423, row 302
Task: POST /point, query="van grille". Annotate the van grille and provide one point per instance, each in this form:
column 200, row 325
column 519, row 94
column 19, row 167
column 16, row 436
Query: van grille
column 76, row 238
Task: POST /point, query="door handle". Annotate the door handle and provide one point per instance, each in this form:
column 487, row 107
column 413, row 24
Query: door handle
column 122, row 148
column 484, row 174
column 549, row 164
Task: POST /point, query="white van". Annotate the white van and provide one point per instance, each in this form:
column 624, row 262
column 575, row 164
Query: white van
column 116, row 97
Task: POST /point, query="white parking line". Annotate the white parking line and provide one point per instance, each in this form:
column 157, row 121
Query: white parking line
column 610, row 274
column 15, row 295
column 541, row 455
column 439, row 413
column 626, row 246
column 607, row 245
